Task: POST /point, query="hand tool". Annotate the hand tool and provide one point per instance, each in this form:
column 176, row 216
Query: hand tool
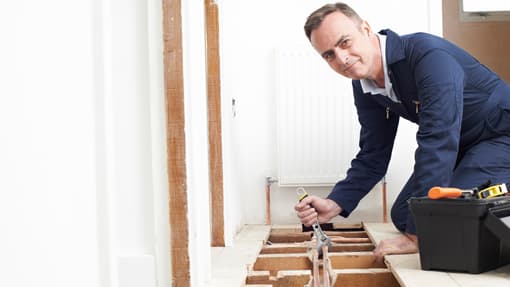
column 484, row 191
column 322, row 238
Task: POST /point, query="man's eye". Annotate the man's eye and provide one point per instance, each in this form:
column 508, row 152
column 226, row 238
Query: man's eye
column 329, row 56
column 345, row 43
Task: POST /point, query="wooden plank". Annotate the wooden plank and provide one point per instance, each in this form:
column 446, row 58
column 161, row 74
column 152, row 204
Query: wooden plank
column 298, row 228
column 289, row 237
column 341, row 239
column 499, row 277
column 176, row 159
column 364, row 277
column 285, row 248
column 348, row 234
column 303, row 247
column 354, row 260
column 258, row 277
column 287, row 278
column 276, row 228
column 292, row 278
column 406, row 269
column 301, row 261
column 276, row 262
column 214, row 123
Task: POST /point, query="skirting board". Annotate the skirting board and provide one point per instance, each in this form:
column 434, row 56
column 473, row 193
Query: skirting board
column 136, row 271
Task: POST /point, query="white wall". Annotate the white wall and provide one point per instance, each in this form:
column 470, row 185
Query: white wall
column 249, row 33
column 135, row 142
column 83, row 192
column 197, row 155
column 82, row 148
column 47, row 148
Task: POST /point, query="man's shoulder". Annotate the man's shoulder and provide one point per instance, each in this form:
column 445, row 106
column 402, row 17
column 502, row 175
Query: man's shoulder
column 412, row 37
column 415, row 45
column 422, row 37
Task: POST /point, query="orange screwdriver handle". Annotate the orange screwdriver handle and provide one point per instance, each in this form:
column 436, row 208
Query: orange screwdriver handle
column 444, row 192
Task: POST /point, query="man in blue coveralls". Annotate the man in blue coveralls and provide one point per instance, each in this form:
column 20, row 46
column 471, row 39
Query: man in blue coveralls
column 461, row 107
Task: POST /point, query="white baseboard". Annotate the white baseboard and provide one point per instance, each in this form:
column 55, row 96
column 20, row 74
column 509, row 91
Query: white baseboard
column 136, row 271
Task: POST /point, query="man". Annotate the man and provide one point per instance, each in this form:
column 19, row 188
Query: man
column 461, row 107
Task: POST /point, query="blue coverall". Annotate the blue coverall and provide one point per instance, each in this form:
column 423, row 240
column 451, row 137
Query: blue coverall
column 462, row 109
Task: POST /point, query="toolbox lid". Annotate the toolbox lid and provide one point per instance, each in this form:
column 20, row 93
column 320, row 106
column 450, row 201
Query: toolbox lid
column 463, row 207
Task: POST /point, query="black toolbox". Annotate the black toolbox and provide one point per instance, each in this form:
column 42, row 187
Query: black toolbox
column 462, row 235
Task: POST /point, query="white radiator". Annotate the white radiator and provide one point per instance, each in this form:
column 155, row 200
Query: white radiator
column 317, row 126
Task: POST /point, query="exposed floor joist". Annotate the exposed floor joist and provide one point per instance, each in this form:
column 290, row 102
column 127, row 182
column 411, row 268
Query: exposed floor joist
column 288, row 256
column 301, row 261
column 302, row 248
column 349, row 236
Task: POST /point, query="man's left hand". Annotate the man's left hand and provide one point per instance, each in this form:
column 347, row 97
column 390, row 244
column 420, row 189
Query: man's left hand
column 403, row 244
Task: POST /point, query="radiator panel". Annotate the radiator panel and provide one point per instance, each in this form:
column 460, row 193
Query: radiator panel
column 317, row 126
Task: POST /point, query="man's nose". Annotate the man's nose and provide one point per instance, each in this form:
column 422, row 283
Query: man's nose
column 341, row 56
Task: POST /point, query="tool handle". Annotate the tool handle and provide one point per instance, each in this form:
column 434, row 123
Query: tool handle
column 301, row 192
column 302, row 195
column 444, row 192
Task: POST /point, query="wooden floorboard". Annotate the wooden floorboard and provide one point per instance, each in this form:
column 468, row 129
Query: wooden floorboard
column 404, row 269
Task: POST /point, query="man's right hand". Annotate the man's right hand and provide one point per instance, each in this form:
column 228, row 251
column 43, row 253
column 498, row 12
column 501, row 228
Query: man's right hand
column 323, row 210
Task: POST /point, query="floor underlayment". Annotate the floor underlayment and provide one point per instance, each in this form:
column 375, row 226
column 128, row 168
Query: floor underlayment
column 252, row 262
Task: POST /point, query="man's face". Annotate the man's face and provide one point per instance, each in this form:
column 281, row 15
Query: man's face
column 345, row 45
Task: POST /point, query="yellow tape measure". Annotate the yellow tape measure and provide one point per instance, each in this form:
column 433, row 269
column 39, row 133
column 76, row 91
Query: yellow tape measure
column 492, row 191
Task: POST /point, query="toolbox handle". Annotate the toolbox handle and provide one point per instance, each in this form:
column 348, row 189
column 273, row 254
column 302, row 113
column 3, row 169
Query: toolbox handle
column 498, row 221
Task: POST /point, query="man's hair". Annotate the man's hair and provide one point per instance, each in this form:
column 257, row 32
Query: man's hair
column 315, row 19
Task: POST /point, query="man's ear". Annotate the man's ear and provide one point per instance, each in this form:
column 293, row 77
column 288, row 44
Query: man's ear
column 365, row 27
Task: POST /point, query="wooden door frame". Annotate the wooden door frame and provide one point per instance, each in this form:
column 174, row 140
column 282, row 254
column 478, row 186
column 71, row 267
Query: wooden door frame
column 214, row 123
column 176, row 142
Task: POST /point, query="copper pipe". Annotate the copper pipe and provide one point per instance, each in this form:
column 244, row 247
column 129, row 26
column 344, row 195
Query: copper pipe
column 385, row 212
column 268, row 204
column 269, row 181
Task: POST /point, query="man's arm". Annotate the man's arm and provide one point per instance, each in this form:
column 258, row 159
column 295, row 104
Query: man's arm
column 440, row 81
column 377, row 135
column 367, row 168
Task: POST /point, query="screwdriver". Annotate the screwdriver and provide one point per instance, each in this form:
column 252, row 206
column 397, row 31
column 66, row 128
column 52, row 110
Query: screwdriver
column 484, row 191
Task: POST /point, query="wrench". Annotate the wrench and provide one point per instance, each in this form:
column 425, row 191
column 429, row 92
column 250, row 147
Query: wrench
column 322, row 238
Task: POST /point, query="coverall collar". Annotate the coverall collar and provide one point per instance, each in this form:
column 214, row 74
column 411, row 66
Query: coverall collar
column 394, row 47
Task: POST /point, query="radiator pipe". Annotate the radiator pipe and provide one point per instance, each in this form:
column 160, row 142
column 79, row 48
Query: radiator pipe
column 385, row 212
column 269, row 180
